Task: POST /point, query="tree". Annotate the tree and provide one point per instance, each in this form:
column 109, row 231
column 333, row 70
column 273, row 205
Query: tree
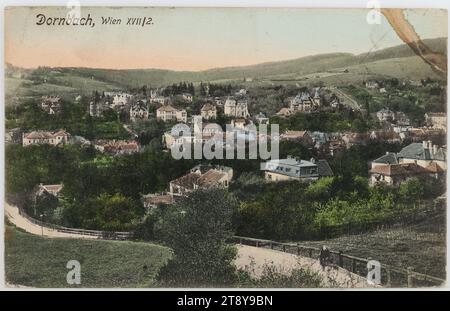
column 197, row 229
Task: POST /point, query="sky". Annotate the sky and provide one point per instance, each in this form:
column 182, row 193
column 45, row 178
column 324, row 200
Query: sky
column 200, row 38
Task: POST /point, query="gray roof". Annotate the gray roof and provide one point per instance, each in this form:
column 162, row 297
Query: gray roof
column 289, row 167
column 417, row 151
column 388, row 158
column 324, row 168
column 414, row 151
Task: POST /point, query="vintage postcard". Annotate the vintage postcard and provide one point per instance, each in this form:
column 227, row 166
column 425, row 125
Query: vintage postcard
column 190, row 147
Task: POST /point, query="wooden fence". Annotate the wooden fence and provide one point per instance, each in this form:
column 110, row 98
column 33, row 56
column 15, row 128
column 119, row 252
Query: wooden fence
column 105, row 235
column 390, row 276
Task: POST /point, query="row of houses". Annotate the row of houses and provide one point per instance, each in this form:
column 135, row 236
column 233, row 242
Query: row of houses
column 116, row 147
column 53, row 138
column 303, row 102
column 199, row 177
column 417, row 160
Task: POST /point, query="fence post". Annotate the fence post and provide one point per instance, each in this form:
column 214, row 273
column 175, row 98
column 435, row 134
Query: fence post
column 341, row 259
column 353, row 265
column 388, row 278
column 271, row 244
column 298, row 250
column 310, row 253
column 240, row 240
column 410, row 276
column 284, row 248
column 257, row 244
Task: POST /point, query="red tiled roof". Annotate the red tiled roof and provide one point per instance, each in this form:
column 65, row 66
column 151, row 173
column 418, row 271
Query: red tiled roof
column 434, row 168
column 210, row 178
column 399, row 169
column 187, row 181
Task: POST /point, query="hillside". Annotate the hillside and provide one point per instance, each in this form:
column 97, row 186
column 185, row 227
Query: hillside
column 122, row 264
column 398, row 61
column 420, row 245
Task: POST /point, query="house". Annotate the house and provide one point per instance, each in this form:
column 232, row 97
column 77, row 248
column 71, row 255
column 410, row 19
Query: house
column 160, row 100
column 139, row 110
column 241, row 92
column 436, row 120
column 424, row 134
column 261, row 118
column 372, row 85
column 415, row 160
column 53, row 190
column 295, row 169
column 424, row 154
column 319, row 138
column 335, row 145
column 402, row 119
column 335, row 102
column 209, row 111
column 385, row 135
column 156, row 200
column 236, row 108
column 352, row 139
column 45, row 137
column 51, row 104
column 168, row 113
column 386, row 115
column 187, row 97
column 117, row 147
column 201, row 177
column 121, row 99
column 284, row 112
column 395, row 174
column 13, row 136
column 302, row 137
column 238, row 123
column 301, row 103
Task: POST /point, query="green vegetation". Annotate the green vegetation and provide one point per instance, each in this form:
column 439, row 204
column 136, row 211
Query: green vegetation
column 326, row 122
column 74, row 118
column 421, row 245
column 95, row 186
column 328, row 207
column 197, row 229
column 41, row 262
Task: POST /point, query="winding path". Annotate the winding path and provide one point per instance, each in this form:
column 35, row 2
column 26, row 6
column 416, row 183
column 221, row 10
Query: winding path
column 252, row 259
column 13, row 215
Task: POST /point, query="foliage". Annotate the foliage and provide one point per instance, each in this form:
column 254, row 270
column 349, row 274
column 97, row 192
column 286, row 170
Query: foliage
column 105, row 212
column 197, row 229
column 325, row 121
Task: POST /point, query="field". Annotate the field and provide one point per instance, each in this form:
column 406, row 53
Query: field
column 421, row 246
column 41, row 262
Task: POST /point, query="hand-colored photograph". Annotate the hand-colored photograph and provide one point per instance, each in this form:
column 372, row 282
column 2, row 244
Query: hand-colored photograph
column 157, row 147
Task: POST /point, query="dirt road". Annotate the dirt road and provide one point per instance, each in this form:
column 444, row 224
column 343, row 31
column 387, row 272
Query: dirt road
column 253, row 259
column 12, row 213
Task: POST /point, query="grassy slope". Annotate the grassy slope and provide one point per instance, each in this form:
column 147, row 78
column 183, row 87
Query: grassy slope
column 295, row 68
column 421, row 246
column 397, row 62
column 41, row 262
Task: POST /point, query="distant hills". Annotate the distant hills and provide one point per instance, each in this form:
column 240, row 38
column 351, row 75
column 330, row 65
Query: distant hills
column 398, row 61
